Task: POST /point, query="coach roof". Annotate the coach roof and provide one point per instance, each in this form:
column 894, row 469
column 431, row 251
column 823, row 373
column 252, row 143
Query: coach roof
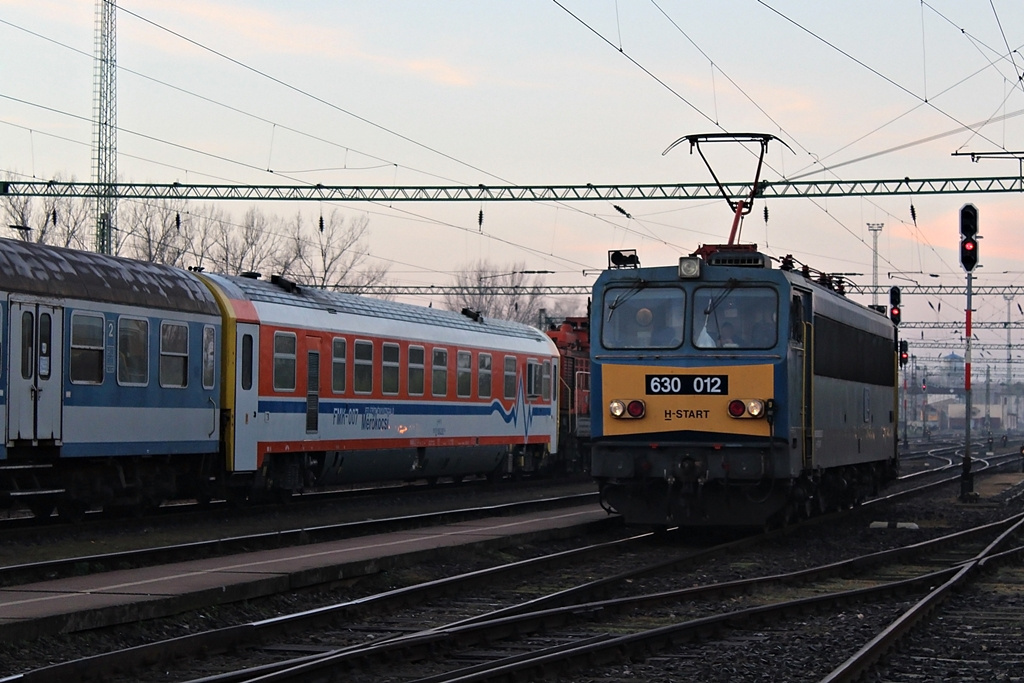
column 338, row 302
column 30, row 268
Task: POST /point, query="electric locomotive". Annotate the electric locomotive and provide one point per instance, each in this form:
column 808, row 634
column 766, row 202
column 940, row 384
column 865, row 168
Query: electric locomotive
column 725, row 392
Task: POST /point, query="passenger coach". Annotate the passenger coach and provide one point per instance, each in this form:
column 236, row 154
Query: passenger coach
column 726, row 392
column 125, row 384
column 109, row 379
column 326, row 388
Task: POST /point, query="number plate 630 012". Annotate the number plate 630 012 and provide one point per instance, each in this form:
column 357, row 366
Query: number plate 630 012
column 685, row 385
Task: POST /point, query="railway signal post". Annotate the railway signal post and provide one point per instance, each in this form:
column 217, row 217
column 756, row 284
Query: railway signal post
column 968, row 260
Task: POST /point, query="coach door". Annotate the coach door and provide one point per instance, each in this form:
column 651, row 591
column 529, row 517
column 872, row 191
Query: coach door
column 312, row 385
column 34, row 398
column 247, row 353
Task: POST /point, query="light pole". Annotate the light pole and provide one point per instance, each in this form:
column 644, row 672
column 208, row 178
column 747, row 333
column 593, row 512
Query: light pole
column 875, row 228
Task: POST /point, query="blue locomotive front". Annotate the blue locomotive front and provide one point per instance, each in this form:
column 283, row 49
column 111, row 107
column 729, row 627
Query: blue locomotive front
column 728, row 393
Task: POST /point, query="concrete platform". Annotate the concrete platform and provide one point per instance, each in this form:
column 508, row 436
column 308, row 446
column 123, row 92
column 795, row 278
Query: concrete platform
column 117, row 597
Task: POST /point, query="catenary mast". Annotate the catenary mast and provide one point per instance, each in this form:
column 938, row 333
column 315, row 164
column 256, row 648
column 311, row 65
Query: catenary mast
column 105, row 123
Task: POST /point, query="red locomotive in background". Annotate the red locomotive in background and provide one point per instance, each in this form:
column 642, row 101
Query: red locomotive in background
column 572, row 337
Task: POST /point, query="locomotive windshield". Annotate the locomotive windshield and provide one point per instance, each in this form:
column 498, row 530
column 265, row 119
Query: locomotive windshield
column 643, row 317
column 735, row 318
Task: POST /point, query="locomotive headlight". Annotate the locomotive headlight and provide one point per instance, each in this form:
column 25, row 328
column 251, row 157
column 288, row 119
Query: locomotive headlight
column 746, row 408
column 633, row 408
column 689, row 267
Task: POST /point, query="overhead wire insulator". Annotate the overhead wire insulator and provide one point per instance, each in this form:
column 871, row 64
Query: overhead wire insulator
column 480, row 220
column 621, row 210
column 766, row 215
column 55, row 218
column 913, row 214
column 321, row 222
column 177, row 222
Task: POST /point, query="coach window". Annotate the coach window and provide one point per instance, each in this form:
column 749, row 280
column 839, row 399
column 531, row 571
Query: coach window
column 362, row 368
column 464, row 374
column 510, row 377
column 439, row 373
column 285, row 346
column 534, row 374
column 247, row 362
column 483, row 375
column 390, row 368
column 209, row 356
column 173, row 355
column 132, row 352
column 86, row 349
column 417, row 358
column 28, row 343
column 338, row 365
column 545, row 381
column 45, row 344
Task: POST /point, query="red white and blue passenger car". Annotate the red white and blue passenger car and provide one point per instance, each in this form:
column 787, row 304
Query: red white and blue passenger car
column 127, row 384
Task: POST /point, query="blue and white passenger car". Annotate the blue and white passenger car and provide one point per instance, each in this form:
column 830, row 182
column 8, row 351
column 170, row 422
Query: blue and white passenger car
column 109, row 377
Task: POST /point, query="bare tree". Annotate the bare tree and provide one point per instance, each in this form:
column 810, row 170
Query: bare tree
column 156, row 233
column 49, row 220
column 330, row 253
column 475, row 281
column 249, row 247
column 202, row 230
column 18, row 214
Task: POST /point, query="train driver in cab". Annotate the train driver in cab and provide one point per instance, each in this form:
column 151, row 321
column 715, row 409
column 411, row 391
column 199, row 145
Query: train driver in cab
column 728, row 338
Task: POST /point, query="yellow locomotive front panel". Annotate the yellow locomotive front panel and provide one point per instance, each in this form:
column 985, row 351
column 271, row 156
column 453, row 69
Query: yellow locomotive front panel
column 687, row 399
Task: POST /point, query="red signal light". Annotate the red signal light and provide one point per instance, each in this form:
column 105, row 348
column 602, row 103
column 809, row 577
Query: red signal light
column 969, row 253
column 636, row 408
column 736, row 408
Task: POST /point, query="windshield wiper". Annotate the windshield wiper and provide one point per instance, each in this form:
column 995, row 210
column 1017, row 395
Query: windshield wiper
column 626, row 296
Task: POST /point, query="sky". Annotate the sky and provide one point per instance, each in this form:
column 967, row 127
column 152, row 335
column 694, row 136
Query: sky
column 531, row 92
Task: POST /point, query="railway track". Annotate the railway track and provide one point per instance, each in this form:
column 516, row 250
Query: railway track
column 16, row 574
column 565, row 591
